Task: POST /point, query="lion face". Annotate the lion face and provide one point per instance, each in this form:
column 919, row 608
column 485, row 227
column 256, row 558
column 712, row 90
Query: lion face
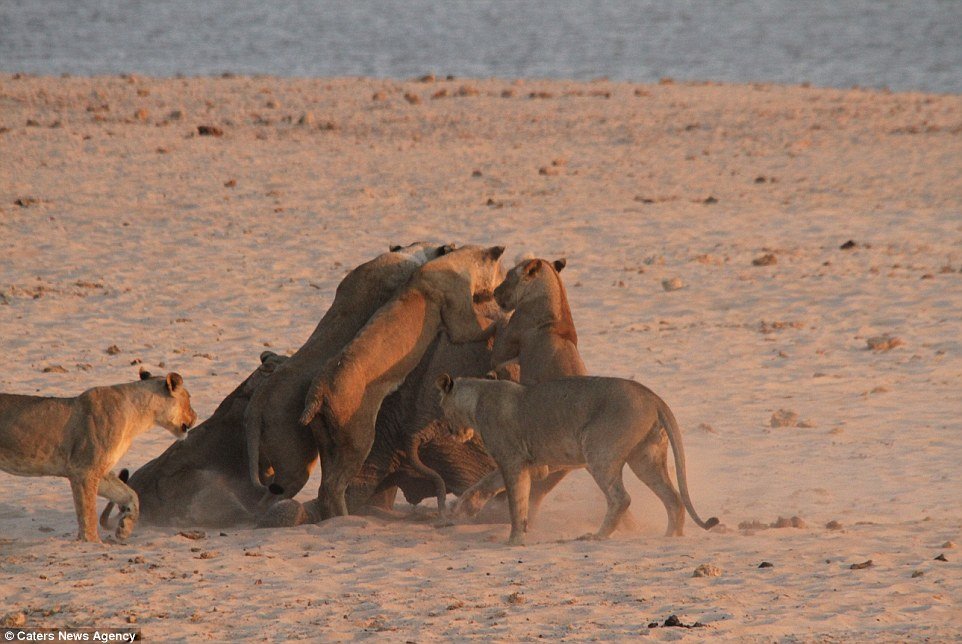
column 522, row 280
column 177, row 416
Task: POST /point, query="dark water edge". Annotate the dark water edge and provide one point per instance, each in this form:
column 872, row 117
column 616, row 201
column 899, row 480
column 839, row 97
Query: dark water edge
column 901, row 45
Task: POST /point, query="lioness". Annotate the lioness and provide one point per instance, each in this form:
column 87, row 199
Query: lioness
column 281, row 451
column 349, row 391
column 81, row 438
column 540, row 338
column 580, row 421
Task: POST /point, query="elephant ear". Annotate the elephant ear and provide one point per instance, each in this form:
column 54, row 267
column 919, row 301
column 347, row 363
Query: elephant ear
column 559, row 264
column 444, row 383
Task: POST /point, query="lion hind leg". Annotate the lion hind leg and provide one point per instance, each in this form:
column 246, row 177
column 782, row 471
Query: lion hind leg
column 608, row 478
column 650, row 465
column 116, row 491
column 84, row 491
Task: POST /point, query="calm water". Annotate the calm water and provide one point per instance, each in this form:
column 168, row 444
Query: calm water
column 905, row 45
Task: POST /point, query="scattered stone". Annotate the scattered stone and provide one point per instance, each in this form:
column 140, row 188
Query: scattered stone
column 26, row 202
column 54, row 368
column 767, row 259
column 477, row 173
column 515, row 598
column 16, row 619
column 849, row 245
column 193, row 535
column 710, row 200
column 456, row 605
column 540, row 95
column 175, row 115
column 708, row 429
column 672, row 284
column 413, row 99
column 754, row 524
column 833, row 525
column 794, row 522
column 707, row 570
column 784, row 418
column 427, row 78
column 45, row 529
column 548, row 171
column 468, row 90
column 948, row 544
column 139, row 559
column 883, row 342
column 209, row 130
column 861, row 566
column 494, row 204
column 760, row 179
column 112, row 350
column 207, row 554
column 917, row 573
column 230, row 183
column 673, row 621
column 941, row 557
column 441, row 93
column 307, row 118
column 142, row 114
column 766, row 564
column 33, row 123
column 327, row 126
column 507, row 93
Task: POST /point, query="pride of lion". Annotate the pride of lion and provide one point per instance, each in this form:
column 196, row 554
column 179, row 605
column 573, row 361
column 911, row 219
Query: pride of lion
column 516, row 411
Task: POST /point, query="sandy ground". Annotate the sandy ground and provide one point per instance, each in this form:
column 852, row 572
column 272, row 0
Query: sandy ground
column 193, row 253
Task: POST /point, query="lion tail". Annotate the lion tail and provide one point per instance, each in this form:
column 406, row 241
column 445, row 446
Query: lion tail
column 314, row 399
column 667, row 420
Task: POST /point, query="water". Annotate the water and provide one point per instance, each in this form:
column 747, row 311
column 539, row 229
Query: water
column 904, row 45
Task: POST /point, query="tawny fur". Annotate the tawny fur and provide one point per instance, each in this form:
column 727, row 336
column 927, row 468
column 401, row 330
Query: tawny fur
column 347, row 395
column 580, row 421
column 83, row 437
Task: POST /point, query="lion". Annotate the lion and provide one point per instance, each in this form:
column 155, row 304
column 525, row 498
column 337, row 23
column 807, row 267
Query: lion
column 82, row 438
column 540, row 340
column 275, row 439
column 348, row 393
column 578, row 421
column 203, row 480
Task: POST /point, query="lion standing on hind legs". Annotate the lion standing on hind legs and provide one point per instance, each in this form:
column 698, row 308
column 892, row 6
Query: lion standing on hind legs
column 82, row 438
column 280, row 450
column 348, row 393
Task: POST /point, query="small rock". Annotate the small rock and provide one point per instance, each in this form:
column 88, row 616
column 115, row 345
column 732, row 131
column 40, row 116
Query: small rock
column 26, row 202
column 477, row 173
column 861, row 566
column 849, row 245
column 468, row 90
column 427, row 78
column 207, row 554
column 765, row 260
column 193, row 534
column 175, row 115
column 413, row 99
column 833, row 525
column 784, row 418
column 710, row 200
column 766, row 564
column 515, row 598
column 917, row 573
column 707, row 570
column 307, row 118
column 14, row 620
column 883, row 342
column 230, row 183
column 209, row 130
column 754, row 524
column 142, row 114
column 672, row 284
column 548, row 171
column 794, row 522
column 54, row 368
column 948, row 544
column 112, row 350
column 941, row 557
column 441, row 93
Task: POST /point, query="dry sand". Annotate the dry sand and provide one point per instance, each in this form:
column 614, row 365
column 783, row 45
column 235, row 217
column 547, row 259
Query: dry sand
column 196, row 252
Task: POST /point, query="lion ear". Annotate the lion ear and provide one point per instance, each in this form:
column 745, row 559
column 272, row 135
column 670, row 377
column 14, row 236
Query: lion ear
column 174, row 382
column 144, row 374
column 495, row 252
column 559, row 264
column 532, row 267
column 446, row 248
column 394, row 248
column 444, row 383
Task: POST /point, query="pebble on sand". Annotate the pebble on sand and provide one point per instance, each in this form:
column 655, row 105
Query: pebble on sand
column 672, row 284
column 707, row 570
